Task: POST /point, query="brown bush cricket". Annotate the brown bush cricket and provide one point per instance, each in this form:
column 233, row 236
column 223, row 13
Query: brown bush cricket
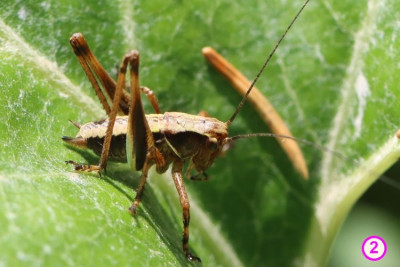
column 144, row 140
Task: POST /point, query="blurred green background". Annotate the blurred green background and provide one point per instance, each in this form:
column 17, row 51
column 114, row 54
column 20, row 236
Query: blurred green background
column 377, row 211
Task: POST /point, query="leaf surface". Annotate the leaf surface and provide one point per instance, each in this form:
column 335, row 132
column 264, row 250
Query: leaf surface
column 333, row 80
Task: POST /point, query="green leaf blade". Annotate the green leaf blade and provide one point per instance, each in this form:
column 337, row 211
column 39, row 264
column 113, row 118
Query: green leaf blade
column 256, row 210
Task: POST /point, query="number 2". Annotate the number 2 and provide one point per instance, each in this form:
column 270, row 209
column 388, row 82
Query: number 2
column 375, row 244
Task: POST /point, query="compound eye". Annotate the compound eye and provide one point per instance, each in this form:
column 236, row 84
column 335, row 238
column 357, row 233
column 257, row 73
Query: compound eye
column 212, row 143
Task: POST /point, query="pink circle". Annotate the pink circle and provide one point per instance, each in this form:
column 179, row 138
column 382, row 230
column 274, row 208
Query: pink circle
column 366, row 253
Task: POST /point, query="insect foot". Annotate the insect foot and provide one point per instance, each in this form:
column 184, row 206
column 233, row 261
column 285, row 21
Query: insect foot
column 132, row 209
column 84, row 167
column 202, row 176
column 191, row 257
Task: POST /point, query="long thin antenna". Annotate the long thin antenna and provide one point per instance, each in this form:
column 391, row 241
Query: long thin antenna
column 387, row 180
column 303, row 141
column 266, row 63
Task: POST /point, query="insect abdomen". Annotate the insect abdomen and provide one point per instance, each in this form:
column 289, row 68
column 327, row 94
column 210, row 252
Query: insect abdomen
column 117, row 148
column 171, row 125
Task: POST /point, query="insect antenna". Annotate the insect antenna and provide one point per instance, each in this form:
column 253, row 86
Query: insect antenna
column 265, row 64
column 299, row 140
column 390, row 181
column 383, row 178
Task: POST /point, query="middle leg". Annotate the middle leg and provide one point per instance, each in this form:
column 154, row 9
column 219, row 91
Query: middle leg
column 152, row 98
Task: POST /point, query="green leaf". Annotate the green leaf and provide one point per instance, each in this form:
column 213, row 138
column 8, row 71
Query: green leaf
column 333, row 80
